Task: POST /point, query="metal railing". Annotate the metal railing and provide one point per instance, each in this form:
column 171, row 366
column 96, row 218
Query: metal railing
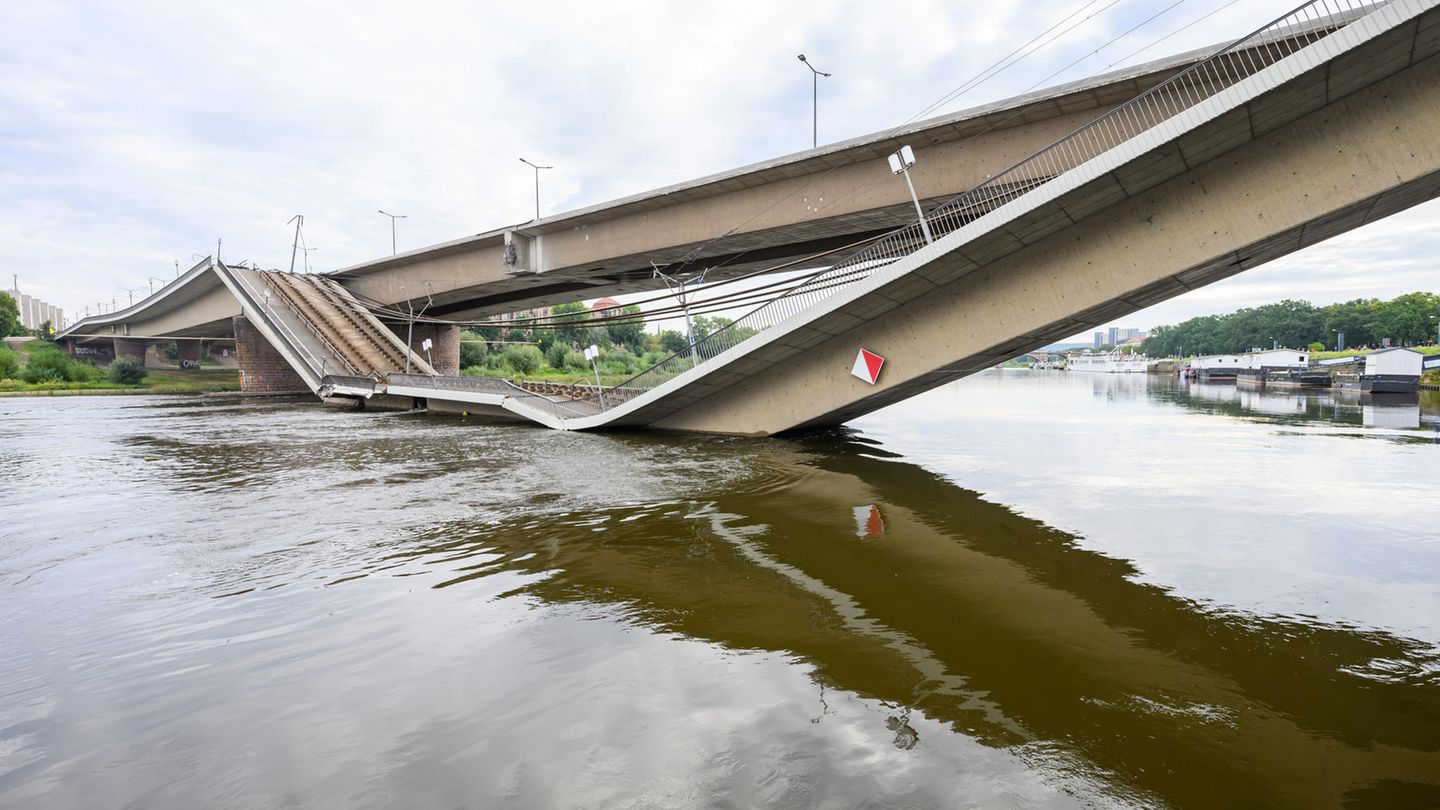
column 1226, row 67
column 284, row 294
column 490, row 385
column 315, row 365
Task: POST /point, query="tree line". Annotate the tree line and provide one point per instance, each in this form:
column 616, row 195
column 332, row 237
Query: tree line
column 1406, row 320
column 556, row 346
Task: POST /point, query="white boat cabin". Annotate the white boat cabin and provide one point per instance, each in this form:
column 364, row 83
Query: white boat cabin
column 1276, row 358
column 1216, row 361
column 1394, row 362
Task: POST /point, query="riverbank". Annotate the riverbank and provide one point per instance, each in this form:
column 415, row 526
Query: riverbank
column 157, row 381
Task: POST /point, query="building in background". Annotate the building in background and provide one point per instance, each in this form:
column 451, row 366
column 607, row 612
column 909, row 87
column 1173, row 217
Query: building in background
column 34, row 312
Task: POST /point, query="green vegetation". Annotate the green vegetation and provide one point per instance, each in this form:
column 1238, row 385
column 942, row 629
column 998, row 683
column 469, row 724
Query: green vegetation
column 554, row 354
column 43, row 368
column 1407, row 320
column 127, row 371
column 9, row 364
column 1354, row 352
column 9, row 316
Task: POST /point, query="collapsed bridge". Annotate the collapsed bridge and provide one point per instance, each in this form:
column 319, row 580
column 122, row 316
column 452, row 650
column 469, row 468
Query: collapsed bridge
column 1131, row 189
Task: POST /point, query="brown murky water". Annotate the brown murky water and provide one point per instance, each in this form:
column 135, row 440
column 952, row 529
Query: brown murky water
column 1023, row 590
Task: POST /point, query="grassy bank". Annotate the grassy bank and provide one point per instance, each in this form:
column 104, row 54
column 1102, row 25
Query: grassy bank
column 158, row 381
column 1356, row 352
column 40, row 368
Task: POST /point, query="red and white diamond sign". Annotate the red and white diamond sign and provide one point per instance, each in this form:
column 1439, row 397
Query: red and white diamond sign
column 867, row 366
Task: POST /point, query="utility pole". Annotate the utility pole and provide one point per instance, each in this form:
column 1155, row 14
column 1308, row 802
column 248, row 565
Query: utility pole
column 678, row 285
column 298, row 219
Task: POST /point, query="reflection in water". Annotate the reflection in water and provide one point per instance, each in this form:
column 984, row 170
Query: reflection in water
column 253, row 604
column 1333, row 406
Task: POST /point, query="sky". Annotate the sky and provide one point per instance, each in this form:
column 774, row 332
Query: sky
column 134, row 135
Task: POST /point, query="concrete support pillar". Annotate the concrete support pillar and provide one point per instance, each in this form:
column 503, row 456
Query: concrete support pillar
column 444, row 355
column 262, row 369
column 189, row 350
column 130, row 347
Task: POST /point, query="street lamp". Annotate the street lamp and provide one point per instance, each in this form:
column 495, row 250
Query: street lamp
column 393, row 217
column 814, row 100
column 537, row 183
column 900, row 163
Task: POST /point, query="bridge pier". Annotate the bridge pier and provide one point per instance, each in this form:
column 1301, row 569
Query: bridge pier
column 191, row 350
column 444, row 353
column 130, row 347
column 262, row 369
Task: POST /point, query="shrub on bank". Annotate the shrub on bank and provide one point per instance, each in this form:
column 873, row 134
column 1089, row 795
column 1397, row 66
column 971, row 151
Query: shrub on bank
column 47, row 364
column 473, row 349
column 523, row 359
column 9, row 364
column 575, row 361
column 127, row 371
column 85, row 373
column 555, row 354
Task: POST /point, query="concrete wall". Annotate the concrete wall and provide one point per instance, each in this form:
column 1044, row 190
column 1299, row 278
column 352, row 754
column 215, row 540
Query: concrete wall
column 262, row 369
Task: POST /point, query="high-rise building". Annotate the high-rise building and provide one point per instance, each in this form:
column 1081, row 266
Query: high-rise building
column 1099, row 339
column 34, row 312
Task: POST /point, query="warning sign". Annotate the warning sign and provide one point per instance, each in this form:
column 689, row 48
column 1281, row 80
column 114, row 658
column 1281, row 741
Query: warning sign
column 867, row 366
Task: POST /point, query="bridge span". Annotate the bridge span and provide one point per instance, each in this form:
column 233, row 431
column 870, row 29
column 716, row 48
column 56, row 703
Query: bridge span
column 1317, row 123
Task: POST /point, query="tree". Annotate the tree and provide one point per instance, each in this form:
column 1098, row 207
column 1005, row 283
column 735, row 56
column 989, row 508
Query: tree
column 630, row 335
column 473, row 349
column 9, row 316
column 569, row 320
column 673, row 342
column 707, row 326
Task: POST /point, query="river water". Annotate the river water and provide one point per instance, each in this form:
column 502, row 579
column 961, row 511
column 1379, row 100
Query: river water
column 1027, row 589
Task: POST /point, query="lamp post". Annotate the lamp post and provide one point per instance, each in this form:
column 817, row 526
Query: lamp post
column 814, row 100
column 900, row 163
column 393, row 217
column 537, row 183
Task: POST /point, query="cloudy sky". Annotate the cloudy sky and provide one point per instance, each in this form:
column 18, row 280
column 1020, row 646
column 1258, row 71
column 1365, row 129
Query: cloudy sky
column 134, row 134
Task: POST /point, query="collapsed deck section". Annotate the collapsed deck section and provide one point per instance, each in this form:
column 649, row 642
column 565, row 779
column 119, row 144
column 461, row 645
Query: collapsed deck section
column 317, row 327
